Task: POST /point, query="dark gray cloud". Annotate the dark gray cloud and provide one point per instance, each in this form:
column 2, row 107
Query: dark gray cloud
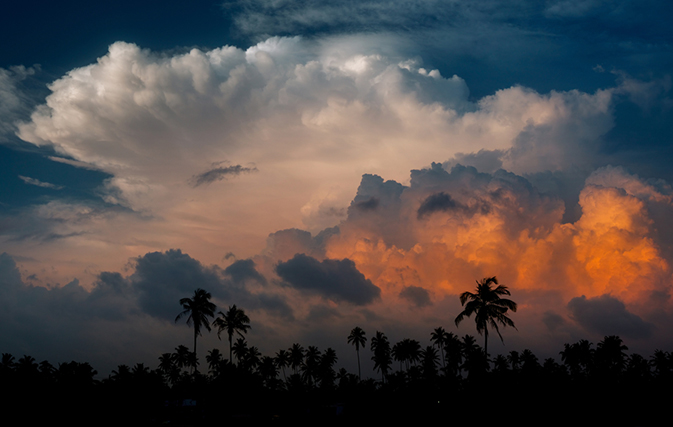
column 416, row 295
column 163, row 278
column 219, row 173
column 337, row 280
column 273, row 304
column 552, row 320
column 284, row 244
column 487, row 161
column 439, row 202
column 606, row 315
column 321, row 313
column 366, row 205
column 244, row 269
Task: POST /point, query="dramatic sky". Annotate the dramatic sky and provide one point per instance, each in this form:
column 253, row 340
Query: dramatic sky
column 326, row 165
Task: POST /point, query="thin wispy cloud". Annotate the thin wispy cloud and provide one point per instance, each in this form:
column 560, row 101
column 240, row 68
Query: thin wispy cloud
column 38, row 183
column 219, row 174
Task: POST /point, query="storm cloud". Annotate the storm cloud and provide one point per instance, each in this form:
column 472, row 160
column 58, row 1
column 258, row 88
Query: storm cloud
column 606, row 315
column 337, row 280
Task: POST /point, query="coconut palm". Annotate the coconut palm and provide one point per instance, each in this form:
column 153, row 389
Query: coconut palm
column 282, row 360
column 429, row 362
column 234, row 321
column 438, row 337
column 214, row 359
column 296, row 356
column 489, row 307
column 358, row 339
column 311, row 365
column 199, row 309
column 380, row 346
column 240, row 350
column 326, row 369
column 407, row 351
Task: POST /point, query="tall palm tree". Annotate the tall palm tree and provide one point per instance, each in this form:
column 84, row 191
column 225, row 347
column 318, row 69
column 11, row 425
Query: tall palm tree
column 380, row 346
column 214, row 359
column 358, row 339
column 199, row 309
column 489, row 307
column 234, row 321
column 326, row 369
column 240, row 350
column 438, row 337
column 282, row 360
column 296, row 356
column 311, row 365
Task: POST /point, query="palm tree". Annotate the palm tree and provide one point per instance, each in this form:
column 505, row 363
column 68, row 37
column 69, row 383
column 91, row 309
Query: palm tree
column 380, row 346
column 311, row 365
column 326, row 369
column 214, row 359
column 240, row 350
column 358, row 339
column 430, row 359
column 199, row 308
column 296, row 356
column 438, row 337
column 235, row 320
column 407, row 351
column 282, row 360
column 489, row 307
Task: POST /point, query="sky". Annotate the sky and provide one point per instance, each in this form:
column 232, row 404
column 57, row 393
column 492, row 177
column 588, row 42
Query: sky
column 326, row 166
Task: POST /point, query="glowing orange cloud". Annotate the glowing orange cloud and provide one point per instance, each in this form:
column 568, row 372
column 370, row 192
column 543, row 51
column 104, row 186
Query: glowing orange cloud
column 607, row 251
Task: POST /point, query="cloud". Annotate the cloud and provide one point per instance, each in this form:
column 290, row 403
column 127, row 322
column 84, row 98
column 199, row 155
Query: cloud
column 218, row 174
column 242, row 270
column 442, row 202
column 15, row 102
column 37, row 182
column 606, row 315
column 162, row 279
column 416, row 295
column 552, row 320
column 337, row 280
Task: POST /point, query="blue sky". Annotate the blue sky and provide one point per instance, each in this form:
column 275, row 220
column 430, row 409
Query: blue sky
column 244, row 131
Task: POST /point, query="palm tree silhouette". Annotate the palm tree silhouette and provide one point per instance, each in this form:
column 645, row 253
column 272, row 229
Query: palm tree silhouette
column 240, row 350
column 282, row 360
column 199, row 308
column 438, row 337
column 489, row 307
column 358, row 339
column 235, row 320
column 296, row 356
column 380, row 346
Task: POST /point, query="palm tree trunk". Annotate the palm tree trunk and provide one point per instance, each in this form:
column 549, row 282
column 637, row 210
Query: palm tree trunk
column 230, row 358
column 358, row 352
column 486, row 344
column 194, row 367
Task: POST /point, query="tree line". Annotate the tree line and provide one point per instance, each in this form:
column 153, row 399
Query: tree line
column 303, row 384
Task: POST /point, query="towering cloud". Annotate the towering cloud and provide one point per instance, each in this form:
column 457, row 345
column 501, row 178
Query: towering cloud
column 219, row 152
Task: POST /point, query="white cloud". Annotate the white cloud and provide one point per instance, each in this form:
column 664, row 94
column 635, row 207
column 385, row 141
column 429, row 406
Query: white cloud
column 37, row 182
column 310, row 116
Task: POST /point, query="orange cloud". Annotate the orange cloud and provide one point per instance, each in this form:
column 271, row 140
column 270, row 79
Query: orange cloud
column 519, row 237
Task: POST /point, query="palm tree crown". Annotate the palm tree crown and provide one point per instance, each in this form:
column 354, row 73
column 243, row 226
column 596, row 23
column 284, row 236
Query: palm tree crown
column 234, row 321
column 489, row 307
column 199, row 309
